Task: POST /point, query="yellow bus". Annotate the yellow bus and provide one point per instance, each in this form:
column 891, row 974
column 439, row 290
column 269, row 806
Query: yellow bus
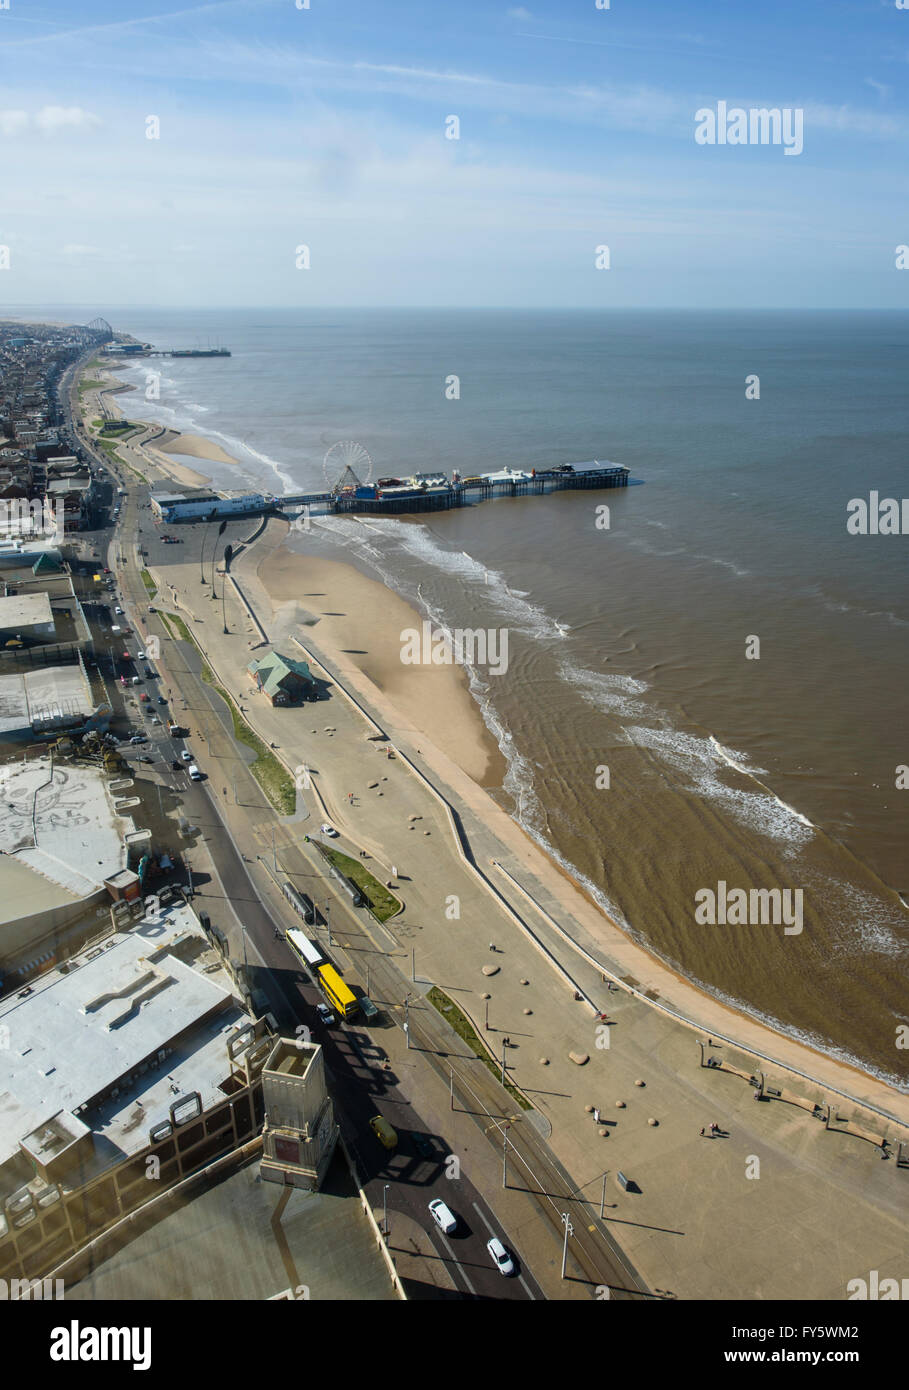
column 336, row 991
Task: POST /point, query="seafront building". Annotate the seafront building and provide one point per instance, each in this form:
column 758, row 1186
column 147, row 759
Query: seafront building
column 130, row 1066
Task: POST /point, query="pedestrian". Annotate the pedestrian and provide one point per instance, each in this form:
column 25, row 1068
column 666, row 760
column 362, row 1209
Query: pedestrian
column 491, row 946
column 596, row 1116
column 703, row 1133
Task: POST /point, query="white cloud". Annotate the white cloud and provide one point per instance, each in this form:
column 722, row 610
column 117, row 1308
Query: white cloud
column 520, row 13
column 11, row 122
column 53, row 118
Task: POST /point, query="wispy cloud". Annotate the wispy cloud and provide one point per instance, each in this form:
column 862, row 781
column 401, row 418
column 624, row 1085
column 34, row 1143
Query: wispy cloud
column 49, row 120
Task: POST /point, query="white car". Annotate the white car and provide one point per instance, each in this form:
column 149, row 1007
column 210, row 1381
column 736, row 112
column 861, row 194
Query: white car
column 140, row 656
column 186, row 756
column 330, row 831
column 118, row 610
column 500, row 1256
column 443, row 1216
column 325, row 1015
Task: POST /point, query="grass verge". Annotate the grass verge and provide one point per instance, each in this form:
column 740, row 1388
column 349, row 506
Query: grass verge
column 171, row 620
column 465, row 1029
column 150, row 585
column 272, row 776
column 382, row 903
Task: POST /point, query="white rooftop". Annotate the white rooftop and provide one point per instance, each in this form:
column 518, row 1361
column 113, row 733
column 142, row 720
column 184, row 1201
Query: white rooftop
column 82, row 1032
column 65, row 829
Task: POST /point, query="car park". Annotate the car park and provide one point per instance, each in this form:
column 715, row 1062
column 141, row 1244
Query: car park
column 443, row 1216
column 500, row 1256
column 325, row 1015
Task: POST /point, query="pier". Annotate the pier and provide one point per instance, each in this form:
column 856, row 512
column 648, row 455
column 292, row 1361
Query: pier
column 393, row 501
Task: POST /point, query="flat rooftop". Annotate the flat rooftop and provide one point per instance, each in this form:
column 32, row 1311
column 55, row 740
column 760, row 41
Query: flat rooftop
column 64, row 828
column 25, row 610
column 92, row 1026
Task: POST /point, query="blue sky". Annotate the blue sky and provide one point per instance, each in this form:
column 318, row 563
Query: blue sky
column 282, row 126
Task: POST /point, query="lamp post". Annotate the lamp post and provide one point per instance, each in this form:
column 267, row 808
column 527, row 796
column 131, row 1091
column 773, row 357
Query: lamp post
column 407, row 1019
column 569, row 1231
column 385, row 1209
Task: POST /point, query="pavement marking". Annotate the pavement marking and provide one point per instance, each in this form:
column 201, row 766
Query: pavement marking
column 463, row 1273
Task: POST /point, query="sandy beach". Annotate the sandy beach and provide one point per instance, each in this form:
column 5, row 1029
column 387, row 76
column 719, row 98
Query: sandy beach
column 344, row 612
column 194, row 446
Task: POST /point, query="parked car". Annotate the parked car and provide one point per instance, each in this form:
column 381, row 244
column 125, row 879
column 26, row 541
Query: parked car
column 139, row 738
column 443, row 1216
column 161, row 700
column 329, row 830
column 383, row 1132
column 146, row 759
column 500, row 1256
column 325, row 1015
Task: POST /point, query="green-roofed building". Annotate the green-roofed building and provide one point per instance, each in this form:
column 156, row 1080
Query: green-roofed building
column 284, row 680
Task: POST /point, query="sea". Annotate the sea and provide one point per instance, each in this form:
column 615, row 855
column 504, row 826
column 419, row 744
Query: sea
column 706, row 683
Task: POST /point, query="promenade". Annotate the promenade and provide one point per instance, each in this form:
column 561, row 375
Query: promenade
column 743, row 1215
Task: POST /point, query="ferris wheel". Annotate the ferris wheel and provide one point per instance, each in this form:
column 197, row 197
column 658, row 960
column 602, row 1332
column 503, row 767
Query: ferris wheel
column 346, row 464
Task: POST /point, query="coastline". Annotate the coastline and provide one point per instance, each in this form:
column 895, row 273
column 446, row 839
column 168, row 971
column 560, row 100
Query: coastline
column 158, row 447
column 462, row 747
column 289, row 580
